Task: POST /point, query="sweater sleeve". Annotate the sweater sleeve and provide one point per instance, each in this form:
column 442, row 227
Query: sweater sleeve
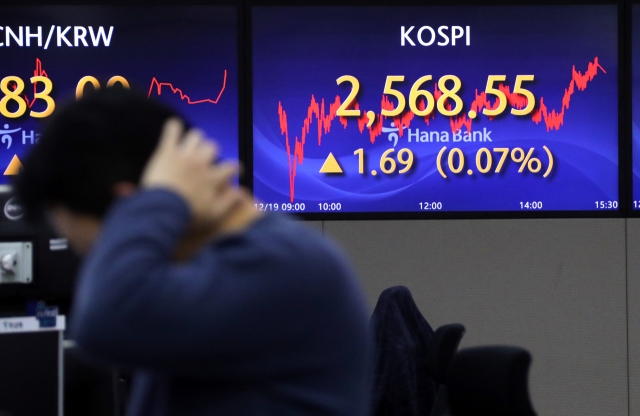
column 125, row 279
column 243, row 308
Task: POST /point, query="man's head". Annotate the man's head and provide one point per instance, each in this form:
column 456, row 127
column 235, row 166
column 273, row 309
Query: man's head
column 91, row 152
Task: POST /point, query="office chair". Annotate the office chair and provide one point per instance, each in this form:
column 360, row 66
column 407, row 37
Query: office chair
column 490, row 381
column 401, row 383
column 442, row 349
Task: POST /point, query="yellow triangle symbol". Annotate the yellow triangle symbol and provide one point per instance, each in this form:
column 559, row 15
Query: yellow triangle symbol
column 331, row 165
column 14, row 166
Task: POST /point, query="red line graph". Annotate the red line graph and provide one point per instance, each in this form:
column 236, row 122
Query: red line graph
column 553, row 120
column 39, row 71
column 158, row 85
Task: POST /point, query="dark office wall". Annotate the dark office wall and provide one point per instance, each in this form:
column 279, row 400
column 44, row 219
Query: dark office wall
column 557, row 287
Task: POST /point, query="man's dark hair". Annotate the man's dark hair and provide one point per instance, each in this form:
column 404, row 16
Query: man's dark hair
column 87, row 147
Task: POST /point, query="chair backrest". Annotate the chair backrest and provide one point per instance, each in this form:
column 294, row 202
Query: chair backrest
column 401, row 384
column 490, row 381
column 442, row 348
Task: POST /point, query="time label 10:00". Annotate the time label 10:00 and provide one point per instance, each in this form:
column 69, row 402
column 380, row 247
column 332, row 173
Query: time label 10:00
column 12, row 87
column 422, row 102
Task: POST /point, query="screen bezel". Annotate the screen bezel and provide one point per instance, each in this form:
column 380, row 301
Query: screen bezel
column 624, row 191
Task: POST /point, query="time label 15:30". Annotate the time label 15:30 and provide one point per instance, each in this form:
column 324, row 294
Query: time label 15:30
column 606, row 204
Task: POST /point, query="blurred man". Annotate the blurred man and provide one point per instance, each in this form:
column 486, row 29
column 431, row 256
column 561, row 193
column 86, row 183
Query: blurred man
column 218, row 309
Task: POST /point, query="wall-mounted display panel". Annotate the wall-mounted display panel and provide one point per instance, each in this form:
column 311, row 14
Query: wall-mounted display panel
column 435, row 109
column 184, row 56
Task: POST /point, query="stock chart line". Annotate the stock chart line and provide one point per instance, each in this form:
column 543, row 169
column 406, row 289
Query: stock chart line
column 39, row 71
column 159, row 85
column 553, row 120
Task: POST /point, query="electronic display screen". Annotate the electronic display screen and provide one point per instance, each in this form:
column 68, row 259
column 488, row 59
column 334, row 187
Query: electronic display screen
column 185, row 57
column 421, row 109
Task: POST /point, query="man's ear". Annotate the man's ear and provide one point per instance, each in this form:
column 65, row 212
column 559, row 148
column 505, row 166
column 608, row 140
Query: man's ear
column 122, row 189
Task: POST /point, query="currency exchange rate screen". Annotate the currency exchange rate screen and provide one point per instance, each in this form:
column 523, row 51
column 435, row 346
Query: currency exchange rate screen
column 405, row 109
column 185, row 57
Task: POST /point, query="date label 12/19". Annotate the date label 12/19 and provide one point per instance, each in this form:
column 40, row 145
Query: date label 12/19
column 285, row 206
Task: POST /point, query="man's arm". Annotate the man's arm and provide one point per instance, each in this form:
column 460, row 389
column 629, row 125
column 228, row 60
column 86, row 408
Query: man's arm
column 218, row 311
column 137, row 308
column 251, row 306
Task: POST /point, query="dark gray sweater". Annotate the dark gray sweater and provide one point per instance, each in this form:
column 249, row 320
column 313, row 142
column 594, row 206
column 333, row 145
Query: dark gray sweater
column 267, row 322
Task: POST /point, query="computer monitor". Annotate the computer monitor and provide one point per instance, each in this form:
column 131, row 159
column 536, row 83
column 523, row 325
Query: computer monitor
column 422, row 110
column 183, row 56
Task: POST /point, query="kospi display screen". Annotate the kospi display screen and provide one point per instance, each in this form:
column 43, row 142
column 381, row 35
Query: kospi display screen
column 185, row 57
column 421, row 109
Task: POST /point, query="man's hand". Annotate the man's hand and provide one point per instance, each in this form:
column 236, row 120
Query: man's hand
column 186, row 167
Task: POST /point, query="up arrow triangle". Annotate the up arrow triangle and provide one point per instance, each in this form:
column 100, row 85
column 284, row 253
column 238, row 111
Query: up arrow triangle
column 15, row 166
column 331, row 165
